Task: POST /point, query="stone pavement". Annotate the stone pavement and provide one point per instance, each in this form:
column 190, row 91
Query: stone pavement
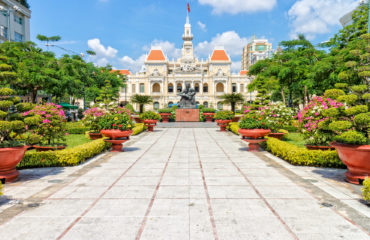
column 183, row 184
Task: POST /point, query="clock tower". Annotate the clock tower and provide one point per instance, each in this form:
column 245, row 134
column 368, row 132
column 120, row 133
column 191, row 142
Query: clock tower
column 187, row 48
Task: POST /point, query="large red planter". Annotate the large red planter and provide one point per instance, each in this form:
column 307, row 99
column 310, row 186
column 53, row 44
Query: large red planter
column 165, row 117
column 277, row 135
column 150, row 123
column 223, row 124
column 137, row 119
column 322, row 148
column 236, row 118
column 208, row 116
column 117, row 137
column 254, row 133
column 357, row 160
column 9, row 159
column 48, row 148
column 95, row 136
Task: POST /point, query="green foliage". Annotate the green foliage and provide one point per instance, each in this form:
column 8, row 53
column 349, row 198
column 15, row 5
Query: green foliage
column 252, row 121
column 349, row 99
column 366, row 96
column 362, row 120
column 24, row 107
column 302, row 156
column 224, row 115
column 356, row 110
column 174, row 107
column 139, row 127
column 340, row 126
column 365, row 190
column 1, row 189
column 150, row 115
column 234, row 127
column 334, row 93
column 120, row 121
column 76, row 128
column 67, row 157
column 352, row 137
column 6, row 92
column 232, row 99
column 141, row 100
column 3, row 115
column 341, row 85
column 165, row 110
column 5, row 105
column 359, row 89
column 130, row 107
column 208, row 110
column 331, row 112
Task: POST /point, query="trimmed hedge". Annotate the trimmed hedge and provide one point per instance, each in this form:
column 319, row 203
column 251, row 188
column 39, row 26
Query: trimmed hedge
column 234, row 127
column 76, row 128
column 139, row 127
column 1, row 188
column 365, row 190
column 302, row 156
column 67, row 157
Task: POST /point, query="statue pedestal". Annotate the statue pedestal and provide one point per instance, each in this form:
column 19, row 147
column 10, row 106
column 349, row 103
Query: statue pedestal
column 187, row 115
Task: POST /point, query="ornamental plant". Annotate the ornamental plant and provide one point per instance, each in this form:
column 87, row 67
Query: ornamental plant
column 314, row 120
column 165, row 110
column 352, row 123
column 92, row 117
column 209, row 110
column 11, row 120
column 120, row 121
column 253, row 121
column 150, row 115
column 224, row 115
column 47, row 122
column 276, row 115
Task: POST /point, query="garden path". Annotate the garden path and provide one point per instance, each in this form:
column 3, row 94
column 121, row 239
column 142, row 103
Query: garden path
column 182, row 184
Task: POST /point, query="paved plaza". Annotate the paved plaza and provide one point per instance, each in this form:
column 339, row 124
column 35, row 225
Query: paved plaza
column 184, row 183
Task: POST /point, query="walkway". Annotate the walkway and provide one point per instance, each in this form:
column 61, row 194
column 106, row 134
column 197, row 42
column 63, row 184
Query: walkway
column 182, row 184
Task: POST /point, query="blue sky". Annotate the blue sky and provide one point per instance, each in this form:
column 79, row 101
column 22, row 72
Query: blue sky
column 121, row 32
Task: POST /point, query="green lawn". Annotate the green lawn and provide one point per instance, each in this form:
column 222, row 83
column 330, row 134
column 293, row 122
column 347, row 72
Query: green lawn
column 74, row 140
column 295, row 138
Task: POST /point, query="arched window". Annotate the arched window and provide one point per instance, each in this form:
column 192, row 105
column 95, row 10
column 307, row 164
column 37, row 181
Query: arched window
column 220, row 106
column 220, row 87
column 205, row 87
column 179, row 87
column 197, row 103
column 170, row 104
column 205, row 104
column 156, row 88
column 196, row 87
column 170, row 88
column 156, row 105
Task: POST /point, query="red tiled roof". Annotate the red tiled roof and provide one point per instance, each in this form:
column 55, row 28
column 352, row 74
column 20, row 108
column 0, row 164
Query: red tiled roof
column 123, row 71
column 219, row 55
column 156, row 55
column 243, row 72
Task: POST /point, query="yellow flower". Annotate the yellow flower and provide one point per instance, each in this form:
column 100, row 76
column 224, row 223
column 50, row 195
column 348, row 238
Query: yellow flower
column 116, row 118
column 129, row 126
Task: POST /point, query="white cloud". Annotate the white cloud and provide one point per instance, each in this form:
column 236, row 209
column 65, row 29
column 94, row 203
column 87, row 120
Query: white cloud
column 202, row 26
column 169, row 49
column 100, row 50
column 230, row 40
column 133, row 65
column 239, row 6
column 312, row 17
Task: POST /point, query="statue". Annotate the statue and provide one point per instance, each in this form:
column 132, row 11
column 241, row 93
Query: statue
column 187, row 98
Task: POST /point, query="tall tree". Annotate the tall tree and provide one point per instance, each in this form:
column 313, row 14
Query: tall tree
column 232, row 99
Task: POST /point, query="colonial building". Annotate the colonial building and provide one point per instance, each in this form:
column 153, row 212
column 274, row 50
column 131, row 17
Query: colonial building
column 257, row 49
column 14, row 21
column 163, row 79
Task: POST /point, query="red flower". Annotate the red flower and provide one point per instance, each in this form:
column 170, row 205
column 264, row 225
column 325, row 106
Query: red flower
column 263, row 123
column 120, row 125
column 114, row 125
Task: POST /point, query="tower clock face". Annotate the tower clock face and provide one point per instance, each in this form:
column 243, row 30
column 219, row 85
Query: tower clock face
column 188, row 50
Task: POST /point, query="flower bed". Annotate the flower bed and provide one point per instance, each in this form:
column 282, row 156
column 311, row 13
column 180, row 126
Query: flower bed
column 67, row 157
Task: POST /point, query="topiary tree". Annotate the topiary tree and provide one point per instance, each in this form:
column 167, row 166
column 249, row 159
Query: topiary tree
column 141, row 100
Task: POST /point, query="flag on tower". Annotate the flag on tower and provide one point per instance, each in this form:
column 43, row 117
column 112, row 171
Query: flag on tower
column 188, row 7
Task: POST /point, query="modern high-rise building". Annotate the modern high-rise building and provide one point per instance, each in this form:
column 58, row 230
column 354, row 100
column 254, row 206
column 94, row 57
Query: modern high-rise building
column 257, row 49
column 14, row 21
column 347, row 18
column 164, row 79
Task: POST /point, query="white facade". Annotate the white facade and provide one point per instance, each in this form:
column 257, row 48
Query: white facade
column 14, row 21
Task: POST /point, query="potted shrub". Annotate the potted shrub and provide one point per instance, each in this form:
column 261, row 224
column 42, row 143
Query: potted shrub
column 150, row 119
column 223, row 118
column 352, row 128
column 208, row 113
column 91, row 120
column 12, row 149
column 314, row 120
column 117, row 127
column 277, row 116
column 46, row 121
column 166, row 114
column 253, row 128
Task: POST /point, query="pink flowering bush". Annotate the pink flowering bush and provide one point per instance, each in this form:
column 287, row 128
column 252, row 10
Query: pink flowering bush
column 47, row 122
column 92, row 117
column 315, row 118
column 276, row 115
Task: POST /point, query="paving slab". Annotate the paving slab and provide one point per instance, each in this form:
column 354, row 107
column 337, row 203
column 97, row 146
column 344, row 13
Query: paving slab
column 191, row 183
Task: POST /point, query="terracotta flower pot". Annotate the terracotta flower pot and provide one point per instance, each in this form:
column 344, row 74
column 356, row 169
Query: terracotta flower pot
column 357, row 160
column 223, row 124
column 254, row 133
column 208, row 116
column 94, row 136
column 48, row 148
column 236, row 118
column 165, row 117
column 117, row 137
column 150, row 123
column 277, row 135
column 137, row 118
column 322, row 148
column 9, row 159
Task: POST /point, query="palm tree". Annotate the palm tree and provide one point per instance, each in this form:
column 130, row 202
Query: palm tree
column 141, row 100
column 232, row 99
